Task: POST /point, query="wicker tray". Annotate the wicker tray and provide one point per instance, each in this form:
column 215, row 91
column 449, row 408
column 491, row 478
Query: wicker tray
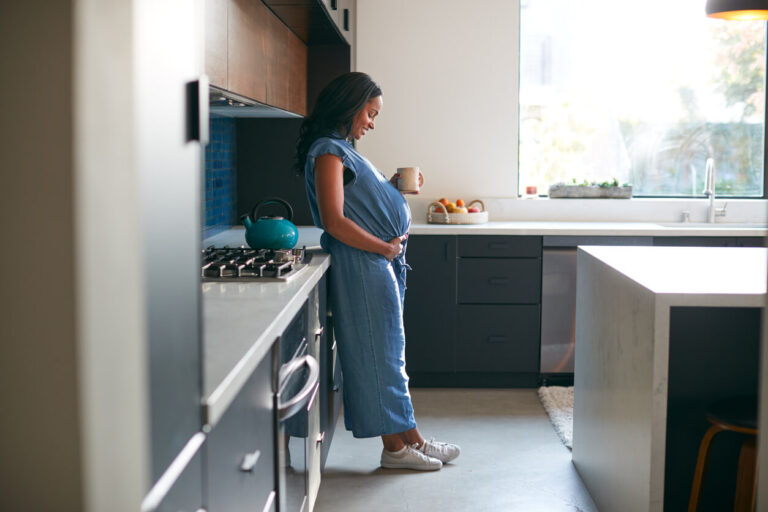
column 443, row 217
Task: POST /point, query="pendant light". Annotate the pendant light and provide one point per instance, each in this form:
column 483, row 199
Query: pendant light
column 738, row 9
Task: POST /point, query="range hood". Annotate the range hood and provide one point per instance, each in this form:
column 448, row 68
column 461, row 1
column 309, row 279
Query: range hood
column 230, row 104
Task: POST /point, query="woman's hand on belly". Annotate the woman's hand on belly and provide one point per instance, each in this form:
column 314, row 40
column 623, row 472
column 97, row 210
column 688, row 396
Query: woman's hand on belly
column 396, row 246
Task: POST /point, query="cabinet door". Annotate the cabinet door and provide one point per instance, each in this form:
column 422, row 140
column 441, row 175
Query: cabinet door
column 498, row 338
column 216, row 16
column 241, row 447
column 286, row 67
column 248, row 26
column 169, row 188
column 430, row 302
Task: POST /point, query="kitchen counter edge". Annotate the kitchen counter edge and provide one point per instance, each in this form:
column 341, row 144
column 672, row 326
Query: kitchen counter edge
column 219, row 395
column 540, row 228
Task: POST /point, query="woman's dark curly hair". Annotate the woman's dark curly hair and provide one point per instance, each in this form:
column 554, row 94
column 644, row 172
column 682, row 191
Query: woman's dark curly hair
column 335, row 110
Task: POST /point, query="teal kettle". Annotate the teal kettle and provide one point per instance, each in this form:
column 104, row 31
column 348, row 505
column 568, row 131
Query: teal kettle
column 270, row 232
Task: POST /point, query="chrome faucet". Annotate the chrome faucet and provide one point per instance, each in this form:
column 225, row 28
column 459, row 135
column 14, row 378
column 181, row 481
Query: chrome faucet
column 709, row 191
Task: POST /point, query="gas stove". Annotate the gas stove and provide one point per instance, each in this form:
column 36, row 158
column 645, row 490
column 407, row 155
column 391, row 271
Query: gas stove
column 245, row 264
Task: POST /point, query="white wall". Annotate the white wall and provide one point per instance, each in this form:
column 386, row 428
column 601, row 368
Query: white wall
column 448, row 70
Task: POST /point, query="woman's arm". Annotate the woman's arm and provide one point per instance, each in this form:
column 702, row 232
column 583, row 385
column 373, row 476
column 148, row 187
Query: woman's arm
column 329, row 184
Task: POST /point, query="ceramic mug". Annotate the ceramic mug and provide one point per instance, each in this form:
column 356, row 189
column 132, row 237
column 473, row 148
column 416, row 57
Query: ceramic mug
column 410, row 179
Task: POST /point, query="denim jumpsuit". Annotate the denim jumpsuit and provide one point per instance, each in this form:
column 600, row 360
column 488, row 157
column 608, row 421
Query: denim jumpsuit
column 367, row 293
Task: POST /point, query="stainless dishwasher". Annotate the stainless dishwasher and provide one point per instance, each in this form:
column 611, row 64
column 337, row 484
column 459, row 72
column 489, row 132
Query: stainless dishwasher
column 558, row 300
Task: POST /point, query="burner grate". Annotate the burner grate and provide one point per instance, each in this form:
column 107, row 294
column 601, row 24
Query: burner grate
column 228, row 263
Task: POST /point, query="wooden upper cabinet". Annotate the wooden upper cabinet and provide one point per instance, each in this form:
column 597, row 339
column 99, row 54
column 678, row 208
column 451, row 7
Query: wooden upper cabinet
column 216, row 42
column 286, row 69
column 262, row 52
column 248, row 32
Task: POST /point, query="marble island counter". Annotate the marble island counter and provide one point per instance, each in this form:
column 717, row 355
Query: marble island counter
column 661, row 332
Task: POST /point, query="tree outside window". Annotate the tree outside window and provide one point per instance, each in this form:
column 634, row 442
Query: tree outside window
column 641, row 98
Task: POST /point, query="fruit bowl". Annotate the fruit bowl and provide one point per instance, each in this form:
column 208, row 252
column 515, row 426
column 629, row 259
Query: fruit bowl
column 438, row 214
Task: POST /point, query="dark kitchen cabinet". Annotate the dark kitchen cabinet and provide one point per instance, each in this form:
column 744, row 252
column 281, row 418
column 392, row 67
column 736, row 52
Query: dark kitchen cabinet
column 330, row 372
column 709, row 241
column 750, row 241
column 498, row 317
column 497, row 338
column 430, row 305
column 241, row 448
column 472, row 310
column 499, row 281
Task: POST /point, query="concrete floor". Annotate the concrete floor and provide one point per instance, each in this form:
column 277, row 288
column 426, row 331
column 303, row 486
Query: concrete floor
column 511, row 460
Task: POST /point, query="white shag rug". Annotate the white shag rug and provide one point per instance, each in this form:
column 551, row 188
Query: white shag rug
column 558, row 402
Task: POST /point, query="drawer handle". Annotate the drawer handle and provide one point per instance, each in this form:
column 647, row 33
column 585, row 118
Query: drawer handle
column 249, row 461
column 497, row 339
column 498, row 281
column 287, row 409
column 321, row 438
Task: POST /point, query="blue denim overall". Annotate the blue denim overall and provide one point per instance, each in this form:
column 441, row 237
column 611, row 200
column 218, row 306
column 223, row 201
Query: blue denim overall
column 367, row 295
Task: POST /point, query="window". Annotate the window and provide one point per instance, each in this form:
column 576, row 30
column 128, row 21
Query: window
column 641, row 92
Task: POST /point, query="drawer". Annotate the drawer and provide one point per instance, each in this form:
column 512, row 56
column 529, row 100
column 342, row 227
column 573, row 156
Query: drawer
column 497, row 339
column 241, row 450
column 499, row 246
column 499, row 281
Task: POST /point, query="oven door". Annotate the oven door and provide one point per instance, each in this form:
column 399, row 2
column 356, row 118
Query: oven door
column 297, row 383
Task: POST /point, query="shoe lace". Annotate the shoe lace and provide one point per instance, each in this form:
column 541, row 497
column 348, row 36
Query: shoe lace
column 435, row 447
column 416, row 450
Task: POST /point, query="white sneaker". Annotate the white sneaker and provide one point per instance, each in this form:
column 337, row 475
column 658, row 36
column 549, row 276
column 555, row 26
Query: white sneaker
column 409, row 458
column 444, row 452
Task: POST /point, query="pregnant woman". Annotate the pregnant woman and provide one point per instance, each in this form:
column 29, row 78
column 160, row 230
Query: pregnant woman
column 365, row 221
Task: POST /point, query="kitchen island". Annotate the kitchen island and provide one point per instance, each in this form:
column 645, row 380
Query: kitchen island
column 661, row 332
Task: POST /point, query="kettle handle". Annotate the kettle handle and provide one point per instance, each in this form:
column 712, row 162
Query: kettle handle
column 272, row 200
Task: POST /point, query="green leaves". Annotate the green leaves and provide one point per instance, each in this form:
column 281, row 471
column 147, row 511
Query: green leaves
column 604, row 184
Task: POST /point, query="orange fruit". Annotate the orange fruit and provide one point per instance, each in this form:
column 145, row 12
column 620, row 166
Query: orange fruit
column 459, row 202
column 444, row 201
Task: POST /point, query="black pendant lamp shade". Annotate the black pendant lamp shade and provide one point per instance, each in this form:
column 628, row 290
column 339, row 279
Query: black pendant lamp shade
column 738, row 9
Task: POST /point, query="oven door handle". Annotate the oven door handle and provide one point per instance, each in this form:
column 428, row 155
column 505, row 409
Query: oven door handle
column 287, row 409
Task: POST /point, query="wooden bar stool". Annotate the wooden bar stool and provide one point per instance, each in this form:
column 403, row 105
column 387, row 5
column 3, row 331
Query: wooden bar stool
column 738, row 414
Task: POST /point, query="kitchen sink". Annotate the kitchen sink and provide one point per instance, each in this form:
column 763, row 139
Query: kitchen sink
column 707, row 225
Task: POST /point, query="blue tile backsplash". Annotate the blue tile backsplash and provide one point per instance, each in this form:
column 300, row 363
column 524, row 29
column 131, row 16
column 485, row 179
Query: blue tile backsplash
column 220, row 180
